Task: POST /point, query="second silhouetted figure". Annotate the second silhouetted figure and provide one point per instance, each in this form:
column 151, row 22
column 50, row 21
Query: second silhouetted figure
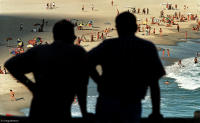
column 129, row 66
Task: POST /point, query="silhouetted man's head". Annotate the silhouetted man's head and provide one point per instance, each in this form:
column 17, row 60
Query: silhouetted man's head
column 126, row 24
column 64, row 31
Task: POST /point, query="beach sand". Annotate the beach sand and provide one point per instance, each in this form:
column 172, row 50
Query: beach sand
column 29, row 12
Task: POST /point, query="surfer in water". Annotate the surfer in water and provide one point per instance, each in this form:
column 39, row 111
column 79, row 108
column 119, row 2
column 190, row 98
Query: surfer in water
column 195, row 60
column 180, row 64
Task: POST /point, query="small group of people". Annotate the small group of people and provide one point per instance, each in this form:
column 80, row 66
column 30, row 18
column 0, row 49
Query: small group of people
column 163, row 52
column 19, row 48
column 123, row 75
column 144, row 11
column 16, row 51
column 170, row 6
column 181, row 65
column 3, row 70
column 51, row 5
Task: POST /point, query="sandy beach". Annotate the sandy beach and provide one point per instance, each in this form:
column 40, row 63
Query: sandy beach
column 101, row 13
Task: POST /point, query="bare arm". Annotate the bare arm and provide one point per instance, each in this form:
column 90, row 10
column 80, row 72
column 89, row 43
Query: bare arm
column 18, row 66
column 155, row 97
column 82, row 99
column 155, row 100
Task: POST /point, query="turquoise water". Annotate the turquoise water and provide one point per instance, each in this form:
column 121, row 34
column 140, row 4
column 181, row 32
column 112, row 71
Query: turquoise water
column 180, row 98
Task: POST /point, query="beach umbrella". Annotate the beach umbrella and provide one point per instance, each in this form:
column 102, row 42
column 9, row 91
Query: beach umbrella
column 9, row 38
column 81, row 24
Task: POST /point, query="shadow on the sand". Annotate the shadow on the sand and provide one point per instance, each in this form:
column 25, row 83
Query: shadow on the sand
column 21, row 98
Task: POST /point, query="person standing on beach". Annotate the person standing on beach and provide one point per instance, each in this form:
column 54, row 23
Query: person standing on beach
column 178, row 28
column 21, row 27
column 160, row 31
column 123, row 76
column 98, row 35
column 83, row 8
column 154, row 31
column 168, row 53
column 163, row 53
column 147, row 10
column 12, row 95
column 54, row 88
column 47, row 5
column 112, row 2
column 54, row 5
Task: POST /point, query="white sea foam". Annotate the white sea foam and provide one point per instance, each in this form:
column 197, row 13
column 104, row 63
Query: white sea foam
column 75, row 107
column 187, row 77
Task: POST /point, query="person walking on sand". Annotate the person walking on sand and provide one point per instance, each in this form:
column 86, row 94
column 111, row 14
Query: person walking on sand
column 54, row 5
column 92, row 37
column 83, row 8
column 102, row 36
column 147, row 10
column 154, row 31
column 160, row 31
column 117, row 11
column 178, row 28
column 68, row 79
column 12, row 95
column 98, row 35
column 112, row 2
column 21, row 27
column 116, row 85
column 47, row 5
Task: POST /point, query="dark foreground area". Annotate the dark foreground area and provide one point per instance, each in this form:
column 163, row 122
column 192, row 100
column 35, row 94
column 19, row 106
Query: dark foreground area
column 11, row 119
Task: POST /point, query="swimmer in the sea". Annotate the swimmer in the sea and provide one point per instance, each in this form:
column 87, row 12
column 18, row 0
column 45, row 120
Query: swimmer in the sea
column 195, row 60
column 180, row 63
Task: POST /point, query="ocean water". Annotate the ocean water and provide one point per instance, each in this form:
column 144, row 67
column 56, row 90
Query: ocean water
column 179, row 98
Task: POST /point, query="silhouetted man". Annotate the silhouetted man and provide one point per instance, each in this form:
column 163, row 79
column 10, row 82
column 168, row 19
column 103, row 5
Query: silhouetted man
column 60, row 71
column 129, row 66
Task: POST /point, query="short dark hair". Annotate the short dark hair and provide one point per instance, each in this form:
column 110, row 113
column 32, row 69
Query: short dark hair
column 63, row 30
column 126, row 23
